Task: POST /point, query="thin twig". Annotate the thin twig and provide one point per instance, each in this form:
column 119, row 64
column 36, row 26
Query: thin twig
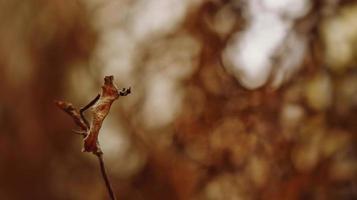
column 90, row 104
column 105, row 176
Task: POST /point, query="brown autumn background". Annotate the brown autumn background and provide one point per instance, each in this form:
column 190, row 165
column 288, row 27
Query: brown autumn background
column 222, row 107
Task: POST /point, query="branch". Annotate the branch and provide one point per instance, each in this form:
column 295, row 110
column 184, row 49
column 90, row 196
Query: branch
column 73, row 112
column 100, row 107
column 105, row 176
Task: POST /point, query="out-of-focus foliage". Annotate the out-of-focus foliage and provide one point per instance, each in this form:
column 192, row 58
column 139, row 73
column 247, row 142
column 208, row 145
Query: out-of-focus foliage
column 231, row 99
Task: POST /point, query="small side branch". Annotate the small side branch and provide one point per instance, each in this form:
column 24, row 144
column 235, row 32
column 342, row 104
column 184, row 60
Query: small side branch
column 74, row 113
column 90, row 104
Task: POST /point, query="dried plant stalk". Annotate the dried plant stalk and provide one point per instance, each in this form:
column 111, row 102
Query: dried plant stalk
column 100, row 107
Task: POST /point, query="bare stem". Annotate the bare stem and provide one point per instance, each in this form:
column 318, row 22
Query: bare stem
column 105, row 176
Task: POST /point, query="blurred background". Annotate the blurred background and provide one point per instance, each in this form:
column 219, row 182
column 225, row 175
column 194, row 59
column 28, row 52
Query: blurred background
column 231, row 99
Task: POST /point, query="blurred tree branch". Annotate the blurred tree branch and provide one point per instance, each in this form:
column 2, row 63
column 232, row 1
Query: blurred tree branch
column 100, row 107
